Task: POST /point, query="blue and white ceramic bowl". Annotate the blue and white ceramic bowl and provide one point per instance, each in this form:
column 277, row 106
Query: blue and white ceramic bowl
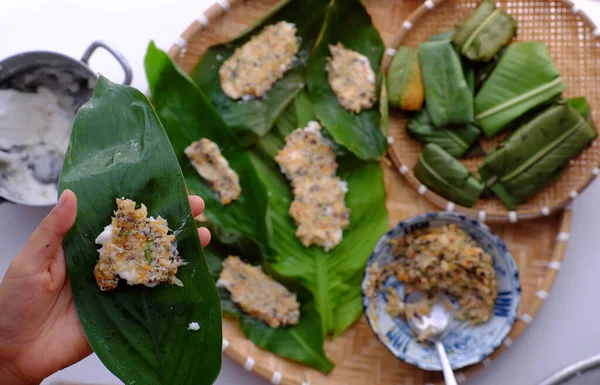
column 465, row 345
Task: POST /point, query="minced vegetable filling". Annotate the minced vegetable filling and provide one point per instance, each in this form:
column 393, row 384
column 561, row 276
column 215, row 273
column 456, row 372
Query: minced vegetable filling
column 445, row 260
column 351, row 78
column 258, row 294
column 257, row 65
column 137, row 249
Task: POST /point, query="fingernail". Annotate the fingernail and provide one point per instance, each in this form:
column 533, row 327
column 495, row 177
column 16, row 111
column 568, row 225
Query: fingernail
column 61, row 200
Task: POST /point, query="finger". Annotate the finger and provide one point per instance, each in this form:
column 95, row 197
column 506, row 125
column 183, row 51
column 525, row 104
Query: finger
column 44, row 243
column 204, row 236
column 197, row 205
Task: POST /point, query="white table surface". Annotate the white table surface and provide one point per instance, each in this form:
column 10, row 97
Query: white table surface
column 68, row 26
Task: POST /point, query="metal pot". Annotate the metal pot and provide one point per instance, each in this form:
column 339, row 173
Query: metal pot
column 61, row 74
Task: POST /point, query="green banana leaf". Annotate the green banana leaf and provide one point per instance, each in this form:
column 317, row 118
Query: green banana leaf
column 456, row 140
column 535, row 155
column 254, row 118
column 404, row 80
column 446, row 176
column 524, row 78
column 118, row 148
column 347, row 22
column 302, row 343
column 444, row 35
column 580, row 105
column 484, row 69
column 449, row 99
column 188, row 115
column 484, row 34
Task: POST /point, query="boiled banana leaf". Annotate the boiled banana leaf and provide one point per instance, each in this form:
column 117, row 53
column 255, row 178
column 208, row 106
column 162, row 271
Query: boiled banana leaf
column 332, row 277
column 444, row 35
column 456, row 140
column 404, row 80
column 484, row 70
column 302, row 343
column 254, row 118
column 535, row 155
column 118, row 148
column 580, row 105
column 449, row 99
column 446, row 176
column 525, row 77
column 188, row 115
column 484, row 34
column 347, row 22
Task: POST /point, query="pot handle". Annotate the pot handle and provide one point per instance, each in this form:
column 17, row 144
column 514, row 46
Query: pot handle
column 116, row 54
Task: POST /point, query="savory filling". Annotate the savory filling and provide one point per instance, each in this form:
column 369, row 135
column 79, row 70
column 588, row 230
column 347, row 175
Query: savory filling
column 319, row 208
column 137, row 249
column 207, row 159
column 440, row 260
column 257, row 65
column 258, row 294
column 351, row 78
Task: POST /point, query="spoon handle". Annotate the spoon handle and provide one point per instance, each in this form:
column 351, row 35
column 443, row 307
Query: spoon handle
column 446, row 368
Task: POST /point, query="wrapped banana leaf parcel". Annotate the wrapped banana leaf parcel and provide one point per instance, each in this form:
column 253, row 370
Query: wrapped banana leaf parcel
column 404, row 80
column 446, row 176
column 536, row 154
column 483, row 35
column 448, row 96
column 456, row 140
column 524, row 78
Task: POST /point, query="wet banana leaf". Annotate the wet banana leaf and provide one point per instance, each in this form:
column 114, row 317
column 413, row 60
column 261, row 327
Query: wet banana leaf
column 332, row 277
column 404, row 80
column 118, row 148
column 456, row 140
column 484, row 34
column 445, row 35
column 446, row 176
column 484, row 70
column 580, row 105
column 188, row 115
column 302, row 343
column 449, row 99
column 347, row 22
column 535, row 155
column 524, row 78
column 254, row 118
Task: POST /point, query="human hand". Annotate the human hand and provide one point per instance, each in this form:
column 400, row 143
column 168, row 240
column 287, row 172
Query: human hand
column 40, row 332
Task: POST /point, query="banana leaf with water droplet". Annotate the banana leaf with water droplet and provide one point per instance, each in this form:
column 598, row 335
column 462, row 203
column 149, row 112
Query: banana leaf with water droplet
column 118, row 148
column 446, row 176
column 448, row 96
column 524, row 78
column 348, row 22
column 302, row 343
column 483, row 35
column 187, row 116
column 254, row 118
column 404, row 80
column 456, row 140
column 536, row 154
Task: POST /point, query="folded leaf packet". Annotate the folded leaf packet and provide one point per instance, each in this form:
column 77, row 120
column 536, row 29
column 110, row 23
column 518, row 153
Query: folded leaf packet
column 404, row 80
column 446, row 176
column 536, row 154
column 483, row 35
column 524, row 78
column 455, row 140
column 449, row 99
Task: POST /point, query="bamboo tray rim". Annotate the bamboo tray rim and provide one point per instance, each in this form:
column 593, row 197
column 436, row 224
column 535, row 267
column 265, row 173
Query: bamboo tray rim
column 527, row 312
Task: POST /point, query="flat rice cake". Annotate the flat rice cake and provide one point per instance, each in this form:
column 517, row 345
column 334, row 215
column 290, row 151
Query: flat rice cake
column 320, row 211
column 258, row 294
column 137, row 249
column 307, row 154
column 208, row 161
column 351, row 78
column 257, row 65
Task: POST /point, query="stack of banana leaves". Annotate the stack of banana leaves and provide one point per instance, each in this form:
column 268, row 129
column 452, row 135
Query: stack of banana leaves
column 258, row 227
column 475, row 82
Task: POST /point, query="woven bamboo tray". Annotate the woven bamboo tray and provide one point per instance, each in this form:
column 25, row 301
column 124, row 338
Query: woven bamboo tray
column 538, row 246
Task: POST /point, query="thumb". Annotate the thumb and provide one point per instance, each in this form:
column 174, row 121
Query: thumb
column 43, row 244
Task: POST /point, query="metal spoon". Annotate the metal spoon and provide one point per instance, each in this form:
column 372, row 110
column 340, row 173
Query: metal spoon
column 434, row 327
